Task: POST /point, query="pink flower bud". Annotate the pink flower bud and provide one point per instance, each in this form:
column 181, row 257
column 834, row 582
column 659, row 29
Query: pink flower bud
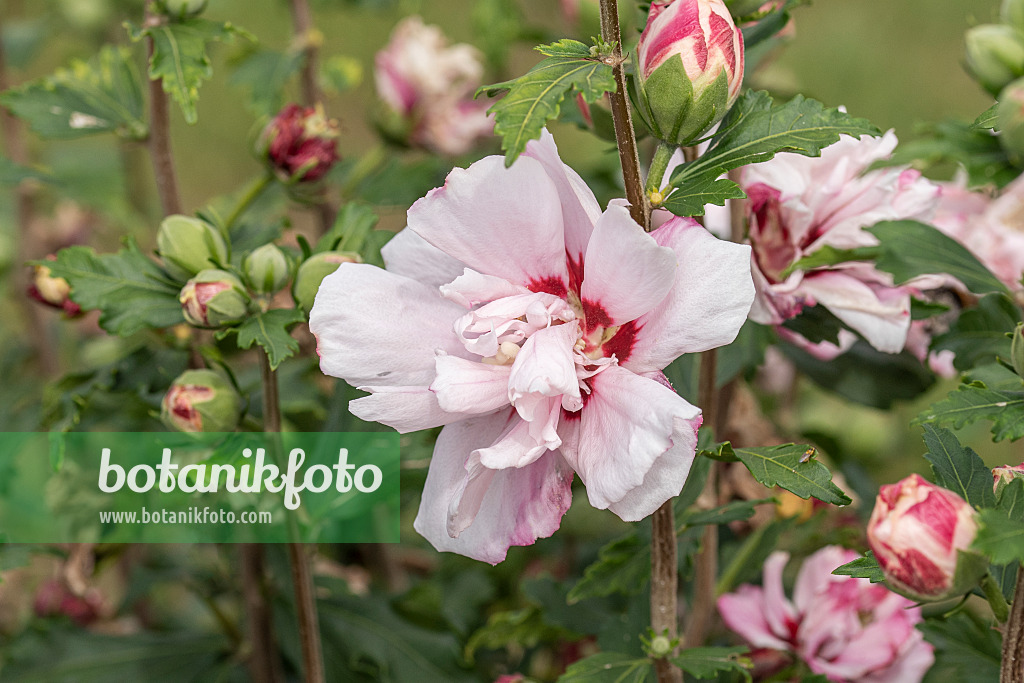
column 214, row 298
column 689, row 68
column 201, row 401
column 54, row 598
column 920, row 533
column 1003, row 475
column 51, row 291
column 301, row 143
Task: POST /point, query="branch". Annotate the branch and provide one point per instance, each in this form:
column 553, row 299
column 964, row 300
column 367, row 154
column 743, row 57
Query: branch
column 1012, row 667
column 160, row 133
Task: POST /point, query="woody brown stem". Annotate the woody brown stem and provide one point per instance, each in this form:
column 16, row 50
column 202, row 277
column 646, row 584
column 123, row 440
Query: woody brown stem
column 160, row 133
column 1012, row 667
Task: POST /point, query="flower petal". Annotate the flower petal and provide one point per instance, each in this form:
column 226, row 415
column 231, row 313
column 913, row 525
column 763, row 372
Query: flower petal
column 500, row 221
column 470, row 387
column 708, row 302
column 519, row 506
column 627, row 273
column 405, row 409
column 627, row 424
column 880, row 314
column 545, row 368
column 580, row 209
column 410, row 255
column 743, row 612
column 380, row 329
column 472, row 288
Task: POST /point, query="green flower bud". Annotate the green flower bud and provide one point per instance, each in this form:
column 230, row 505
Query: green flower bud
column 994, row 55
column 689, row 68
column 1017, row 350
column 188, row 245
column 1010, row 115
column 661, row 646
column 267, row 269
column 313, row 271
column 181, row 9
column 201, row 401
column 214, row 298
column 1012, row 13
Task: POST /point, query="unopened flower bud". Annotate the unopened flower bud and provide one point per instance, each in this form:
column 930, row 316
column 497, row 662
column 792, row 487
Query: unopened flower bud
column 181, row 9
column 1010, row 116
column 1003, row 475
column 661, row 646
column 1012, row 13
column 689, row 68
column 1017, row 350
column 313, row 271
column 201, row 401
column 920, row 534
column 994, row 55
column 266, row 269
column 214, row 298
column 52, row 291
column 301, row 144
column 188, row 245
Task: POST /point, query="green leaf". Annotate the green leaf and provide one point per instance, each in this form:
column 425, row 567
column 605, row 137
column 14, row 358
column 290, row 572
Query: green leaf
column 536, row 97
column 99, row 96
column 179, row 56
column 999, row 537
column 978, row 336
column 865, row 375
column 129, row 289
column 708, row 662
column 353, row 224
column 11, row 173
column 269, row 330
column 691, row 199
column 756, row 129
column 910, row 249
column 521, row 628
column 816, row 324
column 975, row 401
column 966, row 648
column 265, row 74
column 956, row 143
column 988, row 119
column 794, row 468
column 623, row 566
column 565, row 47
column 862, row 568
column 958, row 468
column 830, row 256
column 1011, row 500
column 730, row 512
column 609, row 667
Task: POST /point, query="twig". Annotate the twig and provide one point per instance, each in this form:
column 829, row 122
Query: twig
column 1012, row 668
column 302, row 575
column 263, row 661
column 622, row 121
column 160, row 133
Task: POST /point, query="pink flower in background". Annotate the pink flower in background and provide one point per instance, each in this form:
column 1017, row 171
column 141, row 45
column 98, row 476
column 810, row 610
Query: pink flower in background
column 800, row 204
column 301, row 143
column 920, row 534
column 430, row 85
column 535, row 327
column 991, row 228
column 846, row 628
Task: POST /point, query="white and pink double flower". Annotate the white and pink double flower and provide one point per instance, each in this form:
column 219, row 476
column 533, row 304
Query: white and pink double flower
column 798, row 205
column 535, row 326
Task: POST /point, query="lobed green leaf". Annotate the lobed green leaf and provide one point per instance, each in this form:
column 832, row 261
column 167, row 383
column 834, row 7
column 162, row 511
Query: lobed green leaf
column 709, row 662
column 609, row 667
column 862, row 568
column 794, row 468
column 130, row 290
column 975, row 401
column 270, row 330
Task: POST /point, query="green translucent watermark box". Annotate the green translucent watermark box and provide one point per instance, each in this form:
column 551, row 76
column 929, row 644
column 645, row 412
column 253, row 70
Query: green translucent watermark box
column 154, row 487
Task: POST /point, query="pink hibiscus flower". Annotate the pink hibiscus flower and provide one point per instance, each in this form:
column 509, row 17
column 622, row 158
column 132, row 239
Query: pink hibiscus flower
column 848, row 629
column 535, row 327
column 800, row 204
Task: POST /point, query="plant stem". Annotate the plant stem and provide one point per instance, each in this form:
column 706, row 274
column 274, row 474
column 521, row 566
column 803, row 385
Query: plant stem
column 263, row 660
column 1012, row 667
column 160, row 133
column 994, row 594
column 298, row 553
column 622, row 121
column 664, row 549
column 659, row 164
column 252, row 193
column 309, row 39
